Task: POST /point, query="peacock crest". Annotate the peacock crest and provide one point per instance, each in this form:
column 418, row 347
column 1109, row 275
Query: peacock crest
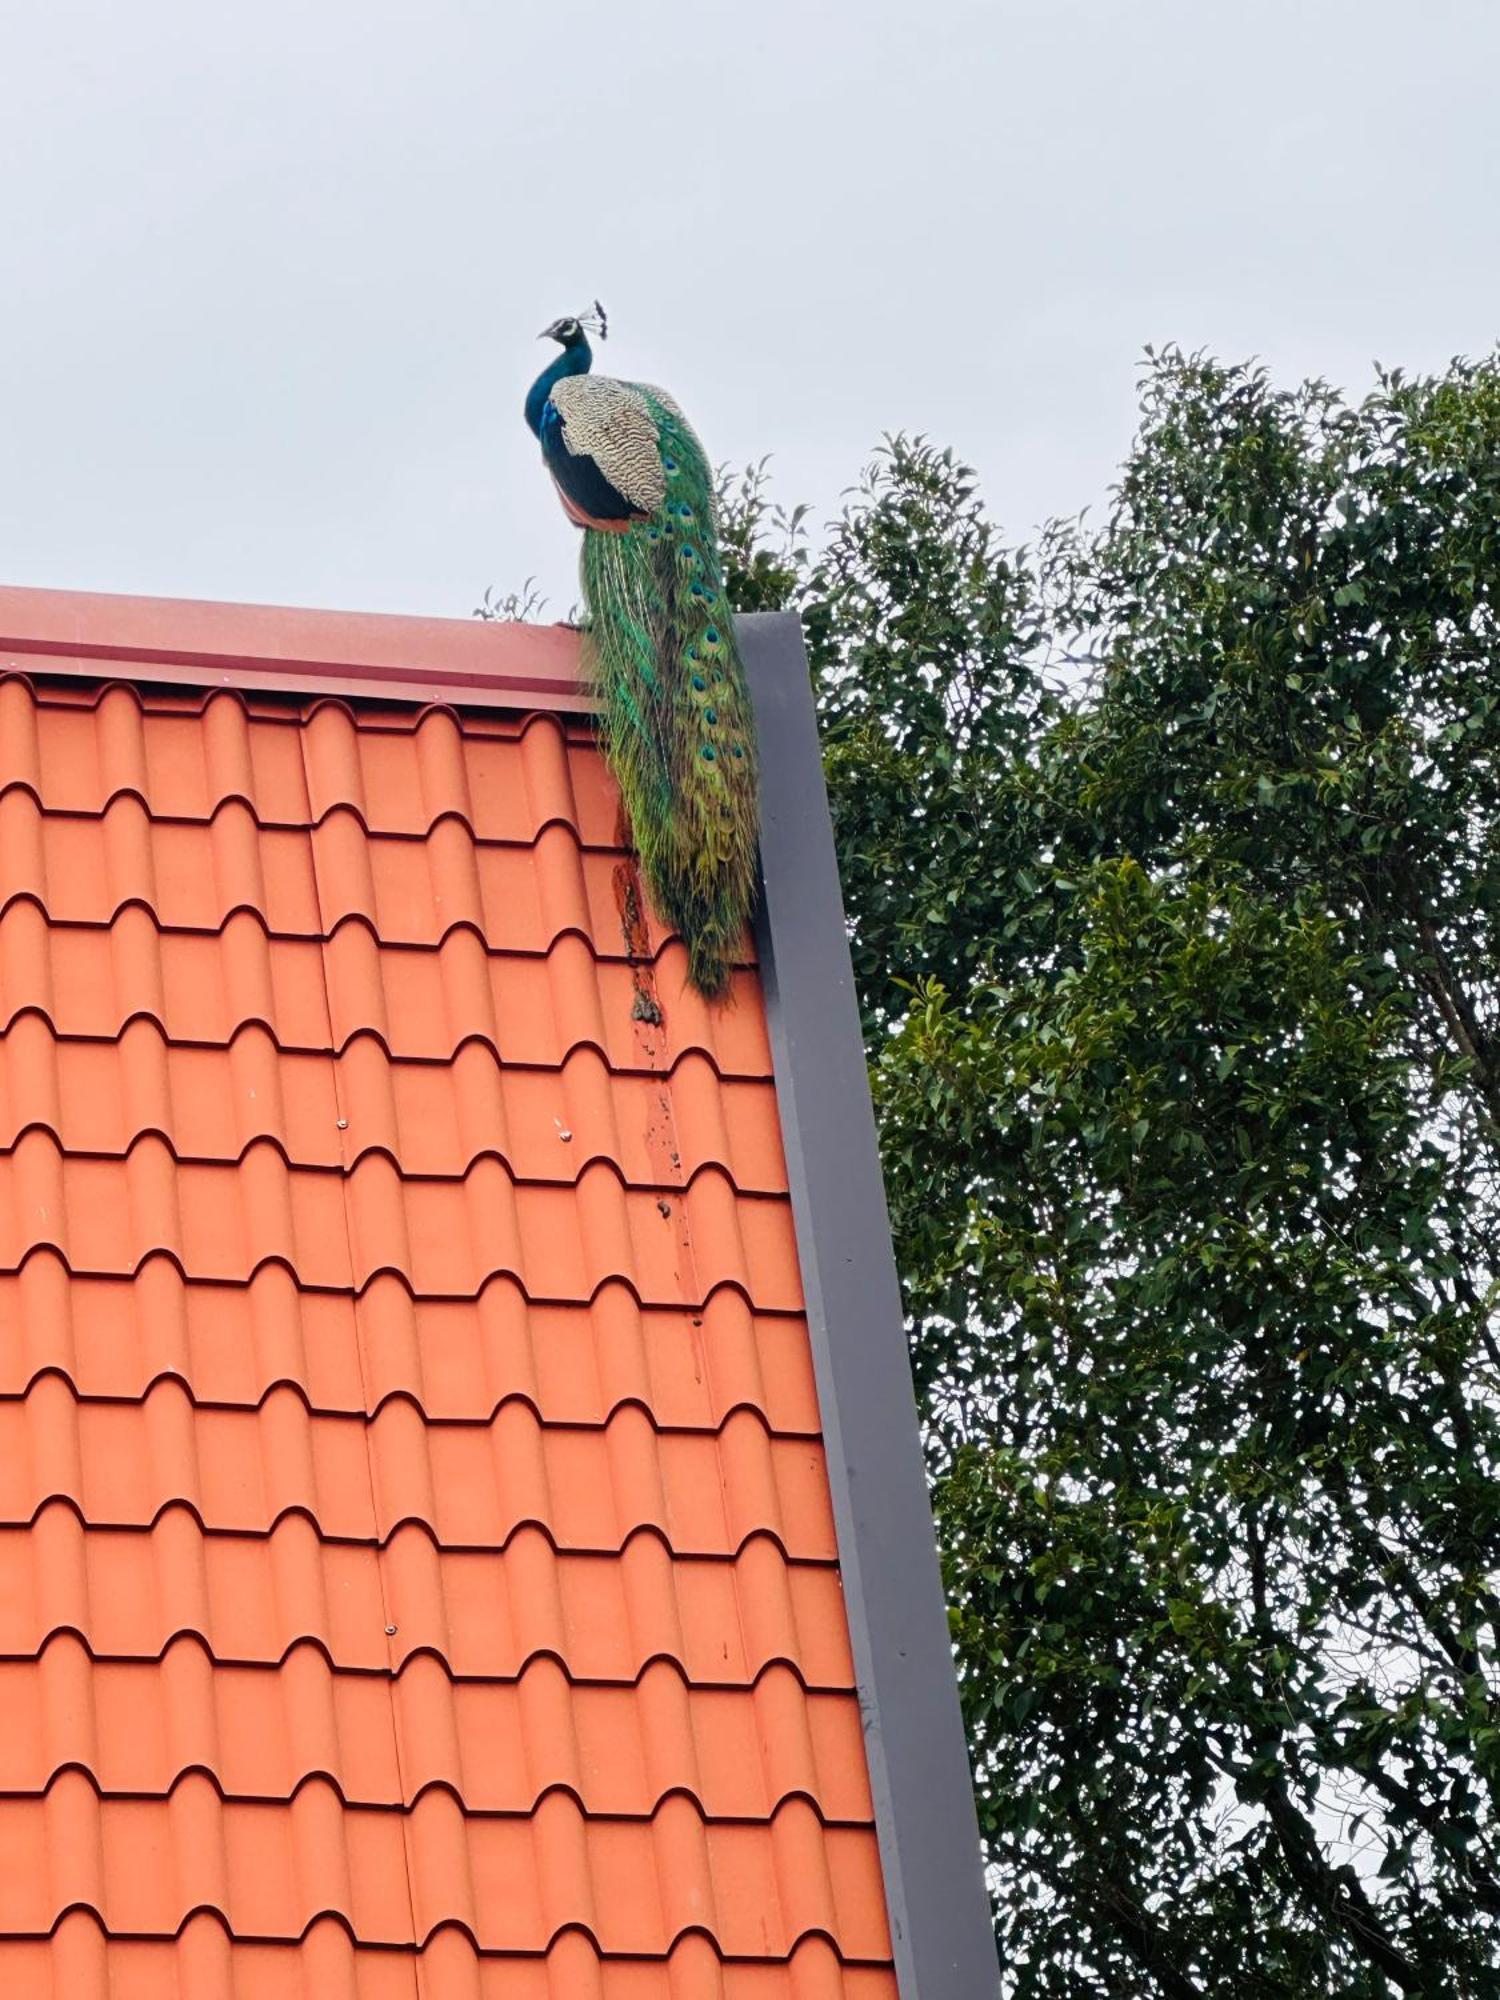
column 675, row 721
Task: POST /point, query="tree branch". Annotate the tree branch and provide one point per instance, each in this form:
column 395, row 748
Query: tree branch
column 1450, row 997
column 1430, row 1816
column 1338, row 1892
column 1144, row 1939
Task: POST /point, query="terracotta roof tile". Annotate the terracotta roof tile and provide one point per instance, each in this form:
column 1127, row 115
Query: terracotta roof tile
column 472, row 1484
column 304, row 882
column 129, row 1592
column 316, row 995
column 260, row 1731
column 417, row 1571
column 434, row 1118
column 513, row 1882
column 400, row 770
column 114, row 1336
column 222, row 1221
column 82, row 1962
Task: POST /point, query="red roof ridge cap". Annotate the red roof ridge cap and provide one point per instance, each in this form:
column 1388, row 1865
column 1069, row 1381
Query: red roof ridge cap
column 489, row 663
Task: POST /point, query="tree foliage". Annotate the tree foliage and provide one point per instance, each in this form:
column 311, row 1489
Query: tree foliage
column 1172, row 856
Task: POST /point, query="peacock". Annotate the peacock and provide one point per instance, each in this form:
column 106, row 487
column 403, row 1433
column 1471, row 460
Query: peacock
column 674, row 711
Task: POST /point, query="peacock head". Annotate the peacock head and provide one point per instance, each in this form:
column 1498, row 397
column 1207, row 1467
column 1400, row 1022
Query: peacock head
column 573, row 328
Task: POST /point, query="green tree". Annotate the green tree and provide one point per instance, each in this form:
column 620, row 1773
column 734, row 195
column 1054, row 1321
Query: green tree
column 1172, row 858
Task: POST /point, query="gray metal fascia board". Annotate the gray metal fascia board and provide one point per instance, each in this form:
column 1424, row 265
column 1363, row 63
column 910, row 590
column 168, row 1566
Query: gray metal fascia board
column 919, row 1769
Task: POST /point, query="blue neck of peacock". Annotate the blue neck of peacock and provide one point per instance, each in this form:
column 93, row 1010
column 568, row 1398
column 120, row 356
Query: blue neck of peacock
column 576, row 359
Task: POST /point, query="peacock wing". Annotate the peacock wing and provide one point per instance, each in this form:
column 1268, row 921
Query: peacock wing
column 611, row 423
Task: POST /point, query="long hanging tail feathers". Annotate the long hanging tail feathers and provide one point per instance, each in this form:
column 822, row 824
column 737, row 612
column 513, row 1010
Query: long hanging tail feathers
column 623, row 647
column 675, row 719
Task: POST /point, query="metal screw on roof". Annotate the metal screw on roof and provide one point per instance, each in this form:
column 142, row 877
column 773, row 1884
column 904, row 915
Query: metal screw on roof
column 664, row 1208
column 565, row 1137
column 390, row 1631
column 343, row 1124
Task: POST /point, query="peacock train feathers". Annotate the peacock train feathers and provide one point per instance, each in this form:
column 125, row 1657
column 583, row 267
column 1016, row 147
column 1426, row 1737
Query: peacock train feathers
column 674, row 717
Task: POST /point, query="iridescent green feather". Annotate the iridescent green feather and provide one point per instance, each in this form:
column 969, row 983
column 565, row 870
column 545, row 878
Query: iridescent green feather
column 675, row 719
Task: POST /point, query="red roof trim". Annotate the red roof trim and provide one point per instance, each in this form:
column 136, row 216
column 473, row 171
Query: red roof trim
column 370, row 654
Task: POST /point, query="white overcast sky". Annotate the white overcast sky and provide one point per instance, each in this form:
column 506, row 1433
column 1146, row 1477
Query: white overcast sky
column 271, row 273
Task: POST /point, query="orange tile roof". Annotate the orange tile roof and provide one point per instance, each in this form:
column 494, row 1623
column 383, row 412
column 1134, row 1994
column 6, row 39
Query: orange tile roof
column 417, row 1569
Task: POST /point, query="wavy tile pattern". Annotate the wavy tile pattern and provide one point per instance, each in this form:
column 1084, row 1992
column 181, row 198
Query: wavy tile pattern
column 417, row 1574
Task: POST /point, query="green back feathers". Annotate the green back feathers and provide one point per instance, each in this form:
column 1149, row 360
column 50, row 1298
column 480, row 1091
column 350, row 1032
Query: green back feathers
column 675, row 720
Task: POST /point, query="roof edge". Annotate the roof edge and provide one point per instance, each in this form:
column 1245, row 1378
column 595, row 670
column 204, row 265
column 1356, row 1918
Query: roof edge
column 941, row 1934
column 281, row 648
